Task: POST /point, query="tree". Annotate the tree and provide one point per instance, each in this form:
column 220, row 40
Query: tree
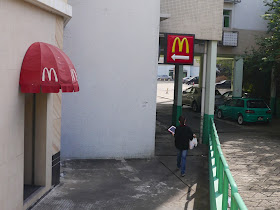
column 259, row 62
column 225, row 66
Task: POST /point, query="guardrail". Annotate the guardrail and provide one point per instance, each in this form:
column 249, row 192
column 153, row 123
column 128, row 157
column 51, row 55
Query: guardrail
column 220, row 177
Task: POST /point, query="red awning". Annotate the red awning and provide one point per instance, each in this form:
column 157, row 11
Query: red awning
column 47, row 68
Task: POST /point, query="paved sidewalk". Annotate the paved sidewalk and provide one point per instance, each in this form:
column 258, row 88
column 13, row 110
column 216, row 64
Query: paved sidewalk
column 136, row 183
column 126, row 184
column 130, row 184
column 253, row 155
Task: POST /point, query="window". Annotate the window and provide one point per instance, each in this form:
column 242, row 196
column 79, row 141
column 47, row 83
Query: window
column 217, row 93
column 226, row 95
column 232, row 102
column 226, row 14
column 240, row 103
column 256, row 104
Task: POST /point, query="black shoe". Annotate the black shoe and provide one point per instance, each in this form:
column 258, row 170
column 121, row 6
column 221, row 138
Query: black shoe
column 182, row 175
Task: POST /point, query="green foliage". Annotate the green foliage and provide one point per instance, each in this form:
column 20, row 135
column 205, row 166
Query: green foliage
column 259, row 61
column 225, row 66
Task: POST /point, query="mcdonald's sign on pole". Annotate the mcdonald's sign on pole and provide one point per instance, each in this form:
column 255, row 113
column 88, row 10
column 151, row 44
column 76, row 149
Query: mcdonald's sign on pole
column 179, row 49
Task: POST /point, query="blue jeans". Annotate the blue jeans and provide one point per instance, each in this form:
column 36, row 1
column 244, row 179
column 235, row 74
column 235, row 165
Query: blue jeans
column 181, row 159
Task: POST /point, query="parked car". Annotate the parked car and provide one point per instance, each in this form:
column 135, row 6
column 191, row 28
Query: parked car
column 219, row 99
column 192, row 96
column 192, row 81
column 225, row 84
column 164, row 78
column 228, row 95
column 185, row 79
column 245, row 110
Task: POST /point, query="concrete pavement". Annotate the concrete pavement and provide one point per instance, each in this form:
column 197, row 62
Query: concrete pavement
column 126, row 184
column 254, row 159
column 134, row 183
column 130, row 184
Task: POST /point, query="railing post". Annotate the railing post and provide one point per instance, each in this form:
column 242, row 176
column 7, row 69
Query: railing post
column 215, row 145
column 225, row 193
column 233, row 202
column 216, row 154
column 221, row 178
column 217, row 165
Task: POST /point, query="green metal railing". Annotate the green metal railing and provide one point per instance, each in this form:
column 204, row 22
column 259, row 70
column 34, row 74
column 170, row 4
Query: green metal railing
column 220, row 177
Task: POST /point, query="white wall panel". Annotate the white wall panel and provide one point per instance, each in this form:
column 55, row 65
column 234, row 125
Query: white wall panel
column 247, row 15
column 114, row 46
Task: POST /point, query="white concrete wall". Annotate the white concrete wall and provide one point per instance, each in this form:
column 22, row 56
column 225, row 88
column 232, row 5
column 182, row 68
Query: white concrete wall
column 247, row 15
column 114, row 47
column 192, row 71
column 164, row 69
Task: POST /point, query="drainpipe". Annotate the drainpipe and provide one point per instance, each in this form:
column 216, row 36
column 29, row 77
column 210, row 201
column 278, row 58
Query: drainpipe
column 203, row 91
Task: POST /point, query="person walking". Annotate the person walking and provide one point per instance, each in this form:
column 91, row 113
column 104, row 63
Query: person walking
column 183, row 134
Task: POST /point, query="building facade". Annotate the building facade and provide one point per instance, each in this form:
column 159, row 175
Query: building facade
column 242, row 23
column 27, row 170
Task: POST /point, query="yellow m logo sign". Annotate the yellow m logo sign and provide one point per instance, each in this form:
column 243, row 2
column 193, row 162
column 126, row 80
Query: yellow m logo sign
column 181, row 44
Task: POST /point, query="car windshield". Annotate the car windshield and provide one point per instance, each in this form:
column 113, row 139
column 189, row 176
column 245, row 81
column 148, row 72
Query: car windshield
column 217, row 92
column 256, row 104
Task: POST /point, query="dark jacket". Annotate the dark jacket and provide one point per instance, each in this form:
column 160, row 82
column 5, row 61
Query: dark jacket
column 182, row 136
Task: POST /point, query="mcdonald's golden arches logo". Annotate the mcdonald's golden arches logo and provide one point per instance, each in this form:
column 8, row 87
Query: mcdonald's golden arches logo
column 181, row 44
column 179, row 49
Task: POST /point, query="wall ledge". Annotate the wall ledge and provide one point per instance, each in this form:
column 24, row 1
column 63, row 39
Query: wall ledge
column 58, row 7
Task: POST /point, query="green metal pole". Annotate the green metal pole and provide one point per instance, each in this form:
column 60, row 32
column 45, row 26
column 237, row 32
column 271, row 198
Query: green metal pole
column 225, row 193
column 221, row 178
column 177, row 105
column 233, row 203
column 211, row 181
